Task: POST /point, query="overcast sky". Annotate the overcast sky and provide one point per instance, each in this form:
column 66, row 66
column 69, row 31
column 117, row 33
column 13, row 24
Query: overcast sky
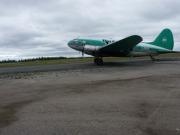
column 34, row 28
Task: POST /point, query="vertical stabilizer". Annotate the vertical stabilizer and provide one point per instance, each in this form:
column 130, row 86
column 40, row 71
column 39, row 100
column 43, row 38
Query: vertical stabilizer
column 165, row 40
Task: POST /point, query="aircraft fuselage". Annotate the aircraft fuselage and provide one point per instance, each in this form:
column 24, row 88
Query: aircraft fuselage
column 91, row 47
column 131, row 46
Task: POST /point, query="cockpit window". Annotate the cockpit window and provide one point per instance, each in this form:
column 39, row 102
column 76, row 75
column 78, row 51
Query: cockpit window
column 105, row 41
column 108, row 41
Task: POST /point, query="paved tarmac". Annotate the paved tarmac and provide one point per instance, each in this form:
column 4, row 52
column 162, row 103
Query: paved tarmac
column 138, row 97
column 60, row 67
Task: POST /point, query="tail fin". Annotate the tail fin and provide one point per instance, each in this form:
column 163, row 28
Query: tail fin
column 165, row 39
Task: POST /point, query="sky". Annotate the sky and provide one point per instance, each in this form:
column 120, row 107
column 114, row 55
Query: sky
column 42, row 28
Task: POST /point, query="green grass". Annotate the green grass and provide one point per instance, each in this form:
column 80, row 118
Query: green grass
column 71, row 61
column 45, row 62
column 56, row 61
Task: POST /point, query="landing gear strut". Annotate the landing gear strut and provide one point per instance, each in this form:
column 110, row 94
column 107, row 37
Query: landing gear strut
column 98, row 61
column 152, row 58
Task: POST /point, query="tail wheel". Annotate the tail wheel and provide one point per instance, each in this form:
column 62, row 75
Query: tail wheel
column 152, row 58
column 98, row 61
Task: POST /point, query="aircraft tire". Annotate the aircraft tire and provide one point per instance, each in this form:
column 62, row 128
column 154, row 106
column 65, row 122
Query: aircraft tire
column 98, row 61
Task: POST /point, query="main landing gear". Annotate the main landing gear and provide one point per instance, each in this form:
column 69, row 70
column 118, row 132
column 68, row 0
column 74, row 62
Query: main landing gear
column 98, row 61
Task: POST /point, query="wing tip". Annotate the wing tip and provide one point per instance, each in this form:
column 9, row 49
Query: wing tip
column 138, row 37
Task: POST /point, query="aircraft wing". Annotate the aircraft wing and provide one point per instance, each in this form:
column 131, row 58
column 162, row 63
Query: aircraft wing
column 122, row 46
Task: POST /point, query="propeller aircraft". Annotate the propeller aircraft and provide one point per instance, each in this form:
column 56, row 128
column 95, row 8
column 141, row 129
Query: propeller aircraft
column 131, row 46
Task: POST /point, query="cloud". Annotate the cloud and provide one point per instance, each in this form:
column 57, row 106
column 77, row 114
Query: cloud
column 161, row 10
column 35, row 28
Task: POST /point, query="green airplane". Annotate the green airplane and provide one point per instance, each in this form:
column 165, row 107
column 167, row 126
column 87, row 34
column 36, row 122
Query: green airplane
column 131, row 46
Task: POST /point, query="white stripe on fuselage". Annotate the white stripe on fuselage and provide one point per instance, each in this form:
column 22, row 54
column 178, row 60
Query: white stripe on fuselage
column 148, row 46
column 90, row 49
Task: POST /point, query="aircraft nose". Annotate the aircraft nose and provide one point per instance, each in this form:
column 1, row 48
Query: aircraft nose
column 70, row 43
column 77, row 44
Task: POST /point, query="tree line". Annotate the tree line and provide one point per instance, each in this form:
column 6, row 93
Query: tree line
column 33, row 59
